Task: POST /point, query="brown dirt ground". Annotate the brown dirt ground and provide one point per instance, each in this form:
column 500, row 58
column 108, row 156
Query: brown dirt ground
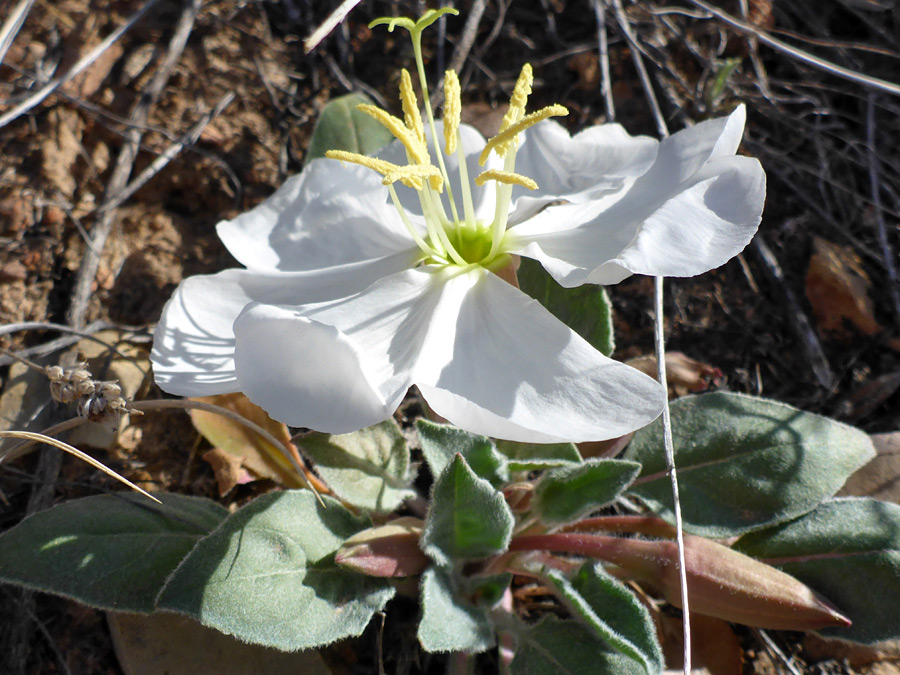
column 810, row 129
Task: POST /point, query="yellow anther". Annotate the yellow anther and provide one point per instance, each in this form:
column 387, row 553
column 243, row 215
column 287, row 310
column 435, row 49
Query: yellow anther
column 503, row 140
column 452, row 110
column 412, row 175
column 411, row 107
column 385, row 168
column 507, row 177
column 519, row 98
column 418, row 153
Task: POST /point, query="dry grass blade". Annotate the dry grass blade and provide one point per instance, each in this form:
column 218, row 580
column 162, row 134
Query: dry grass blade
column 81, row 65
column 65, row 447
column 603, row 51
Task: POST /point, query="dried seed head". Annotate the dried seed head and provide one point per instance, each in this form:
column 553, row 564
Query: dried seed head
column 97, row 400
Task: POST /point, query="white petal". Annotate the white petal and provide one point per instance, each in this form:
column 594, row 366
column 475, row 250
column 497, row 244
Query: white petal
column 519, row 373
column 193, row 348
column 695, row 209
column 598, row 159
column 342, row 365
column 305, row 373
column 700, row 228
column 330, row 214
column 685, row 152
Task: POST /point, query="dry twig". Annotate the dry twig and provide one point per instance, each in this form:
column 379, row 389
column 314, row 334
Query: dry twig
column 809, row 342
column 799, row 54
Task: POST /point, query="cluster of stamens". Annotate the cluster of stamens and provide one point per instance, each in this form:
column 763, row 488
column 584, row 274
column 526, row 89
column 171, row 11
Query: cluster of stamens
column 455, row 239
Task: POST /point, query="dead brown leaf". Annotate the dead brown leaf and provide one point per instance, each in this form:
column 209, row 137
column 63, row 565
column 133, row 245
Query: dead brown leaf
column 229, row 470
column 837, row 287
column 714, row 646
column 880, row 478
column 684, row 374
column 587, row 66
column 175, row 644
column 257, row 455
column 855, row 655
column 484, row 117
column 870, row 396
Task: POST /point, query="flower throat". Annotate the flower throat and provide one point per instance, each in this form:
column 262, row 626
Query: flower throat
column 457, row 239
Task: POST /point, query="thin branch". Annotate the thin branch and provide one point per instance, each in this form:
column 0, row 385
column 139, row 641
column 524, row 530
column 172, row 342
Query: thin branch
column 60, row 343
column 12, row 25
column 638, row 60
column 82, row 63
column 467, row 38
column 799, row 54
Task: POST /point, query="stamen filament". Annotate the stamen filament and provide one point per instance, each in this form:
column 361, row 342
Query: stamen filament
column 501, row 215
column 468, row 206
column 426, row 249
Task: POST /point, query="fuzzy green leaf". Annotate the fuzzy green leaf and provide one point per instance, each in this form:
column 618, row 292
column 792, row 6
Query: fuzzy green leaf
column 849, row 551
column 563, row 647
column 342, row 127
column 368, row 468
column 567, row 493
column 450, row 623
column 468, row 518
column 586, row 309
column 536, row 456
column 267, row 575
column 745, row 462
column 109, row 551
column 441, row 442
column 611, row 612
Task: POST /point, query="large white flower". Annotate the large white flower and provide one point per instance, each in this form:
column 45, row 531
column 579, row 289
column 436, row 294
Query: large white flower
column 350, row 297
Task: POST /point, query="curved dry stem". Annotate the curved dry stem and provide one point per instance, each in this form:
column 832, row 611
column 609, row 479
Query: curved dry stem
column 33, row 437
